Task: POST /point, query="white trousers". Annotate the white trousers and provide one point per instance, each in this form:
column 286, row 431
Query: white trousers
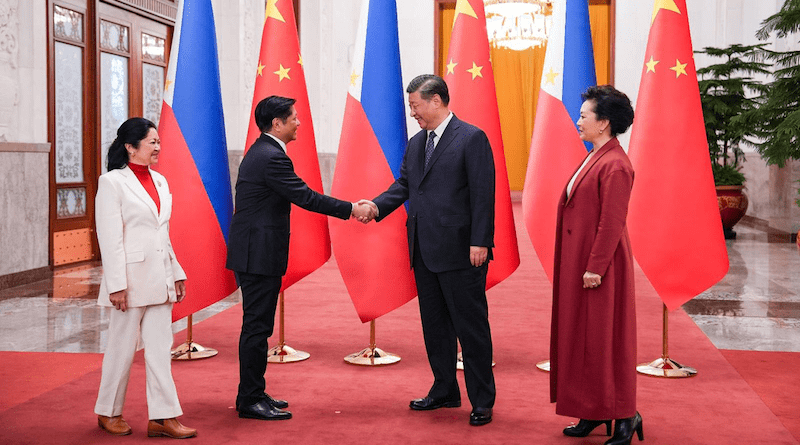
column 155, row 325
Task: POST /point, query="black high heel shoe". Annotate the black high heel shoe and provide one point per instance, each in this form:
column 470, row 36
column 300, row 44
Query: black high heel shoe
column 624, row 428
column 584, row 427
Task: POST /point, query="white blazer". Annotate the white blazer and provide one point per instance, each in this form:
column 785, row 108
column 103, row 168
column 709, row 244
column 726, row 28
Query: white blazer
column 134, row 240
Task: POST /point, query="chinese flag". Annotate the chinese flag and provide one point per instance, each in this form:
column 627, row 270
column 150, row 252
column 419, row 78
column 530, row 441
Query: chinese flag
column 673, row 219
column 280, row 73
column 473, row 99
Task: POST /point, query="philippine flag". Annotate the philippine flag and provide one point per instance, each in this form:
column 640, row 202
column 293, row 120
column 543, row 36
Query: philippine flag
column 194, row 159
column 556, row 149
column 373, row 259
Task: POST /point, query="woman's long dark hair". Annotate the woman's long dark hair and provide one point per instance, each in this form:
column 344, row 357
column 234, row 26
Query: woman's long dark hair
column 132, row 131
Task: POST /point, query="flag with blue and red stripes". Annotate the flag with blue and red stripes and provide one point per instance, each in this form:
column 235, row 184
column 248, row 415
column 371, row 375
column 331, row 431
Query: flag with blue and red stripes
column 194, row 158
column 556, row 148
column 373, row 259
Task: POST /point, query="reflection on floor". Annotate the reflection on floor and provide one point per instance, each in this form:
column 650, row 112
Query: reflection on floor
column 755, row 307
column 61, row 314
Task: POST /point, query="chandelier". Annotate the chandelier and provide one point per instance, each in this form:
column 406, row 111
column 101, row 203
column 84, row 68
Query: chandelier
column 518, row 24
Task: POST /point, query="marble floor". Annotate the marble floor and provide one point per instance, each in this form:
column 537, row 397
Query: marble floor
column 755, row 307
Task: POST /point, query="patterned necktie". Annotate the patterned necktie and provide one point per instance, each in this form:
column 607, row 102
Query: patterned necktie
column 429, row 148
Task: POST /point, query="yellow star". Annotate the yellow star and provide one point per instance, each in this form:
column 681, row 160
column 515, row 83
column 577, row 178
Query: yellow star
column 475, row 71
column 272, row 11
column 669, row 5
column 354, row 78
column 551, row 76
column 463, row 7
column 260, row 69
column 168, row 84
column 651, row 65
column 283, row 73
column 300, row 59
column 679, row 68
column 450, row 67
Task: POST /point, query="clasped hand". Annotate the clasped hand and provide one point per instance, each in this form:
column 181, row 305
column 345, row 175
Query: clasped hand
column 364, row 211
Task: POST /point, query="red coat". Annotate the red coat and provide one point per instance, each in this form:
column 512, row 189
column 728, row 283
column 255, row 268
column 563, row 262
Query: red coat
column 593, row 331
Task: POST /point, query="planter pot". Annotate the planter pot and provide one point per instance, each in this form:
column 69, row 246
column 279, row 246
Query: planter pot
column 732, row 206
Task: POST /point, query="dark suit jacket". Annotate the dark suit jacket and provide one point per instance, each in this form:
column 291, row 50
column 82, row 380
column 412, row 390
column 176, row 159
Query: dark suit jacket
column 267, row 185
column 450, row 203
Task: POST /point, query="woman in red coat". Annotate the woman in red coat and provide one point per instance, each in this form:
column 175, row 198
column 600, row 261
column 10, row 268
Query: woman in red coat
column 593, row 330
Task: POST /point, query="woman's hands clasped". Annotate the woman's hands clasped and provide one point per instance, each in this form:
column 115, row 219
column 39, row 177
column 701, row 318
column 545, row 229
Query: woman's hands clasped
column 591, row 280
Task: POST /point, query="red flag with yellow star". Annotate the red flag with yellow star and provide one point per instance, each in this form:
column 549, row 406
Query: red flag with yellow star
column 473, row 99
column 673, row 218
column 280, row 72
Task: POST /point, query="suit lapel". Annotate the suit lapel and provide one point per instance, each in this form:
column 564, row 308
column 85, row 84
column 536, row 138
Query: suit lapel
column 138, row 189
column 444, row 142
column 600, row 153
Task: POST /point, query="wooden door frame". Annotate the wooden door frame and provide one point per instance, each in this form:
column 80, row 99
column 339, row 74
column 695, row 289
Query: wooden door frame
column 160, row 11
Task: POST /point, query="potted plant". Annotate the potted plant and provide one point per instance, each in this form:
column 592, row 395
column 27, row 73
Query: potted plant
column 779, row 123
column 729, row 98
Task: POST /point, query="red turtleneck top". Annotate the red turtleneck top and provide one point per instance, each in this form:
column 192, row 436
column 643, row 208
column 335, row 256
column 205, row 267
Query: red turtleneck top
column 142, row 172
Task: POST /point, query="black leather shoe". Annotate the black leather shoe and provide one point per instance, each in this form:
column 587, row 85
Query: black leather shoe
column 624, row 429
column 276, row 403
column 480, row 416
column 263, row 411
column 427, row 403
column 584, row 427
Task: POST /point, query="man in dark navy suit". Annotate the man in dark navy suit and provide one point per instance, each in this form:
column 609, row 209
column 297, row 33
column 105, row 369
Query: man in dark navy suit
column 258, row 244
column 447, row 176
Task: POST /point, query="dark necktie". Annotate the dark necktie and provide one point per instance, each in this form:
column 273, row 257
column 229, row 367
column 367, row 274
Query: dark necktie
column 429, row 148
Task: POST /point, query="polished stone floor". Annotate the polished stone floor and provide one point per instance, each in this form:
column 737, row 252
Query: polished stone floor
column 755, row 307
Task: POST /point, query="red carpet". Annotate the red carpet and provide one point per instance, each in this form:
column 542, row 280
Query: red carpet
column 774, row 376
column 336, row 403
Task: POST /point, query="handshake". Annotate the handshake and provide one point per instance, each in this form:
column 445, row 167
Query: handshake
column 364, row 211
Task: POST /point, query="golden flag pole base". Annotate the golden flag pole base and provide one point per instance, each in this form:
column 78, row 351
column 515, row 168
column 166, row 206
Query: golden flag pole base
column 543, row 365
column 665, row 366
column 460, row 362
column 191, row 350
column 282, row 353
column 372, row 356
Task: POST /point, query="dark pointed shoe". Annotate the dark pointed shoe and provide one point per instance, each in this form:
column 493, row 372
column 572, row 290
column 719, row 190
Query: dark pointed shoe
column 428, row 403
column 277, row 403
column 624, row 429
column 480, row 416
column 585, row 427
column 262, row 410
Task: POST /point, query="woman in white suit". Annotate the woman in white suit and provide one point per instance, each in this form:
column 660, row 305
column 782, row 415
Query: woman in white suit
column 141, row 280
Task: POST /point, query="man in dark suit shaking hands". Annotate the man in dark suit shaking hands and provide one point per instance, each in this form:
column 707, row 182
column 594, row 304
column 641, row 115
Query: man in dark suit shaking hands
column 447, row 176
column 258, row 244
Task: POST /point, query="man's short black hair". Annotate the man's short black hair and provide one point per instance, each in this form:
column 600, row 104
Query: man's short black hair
column 427, row 85
column 270, row 108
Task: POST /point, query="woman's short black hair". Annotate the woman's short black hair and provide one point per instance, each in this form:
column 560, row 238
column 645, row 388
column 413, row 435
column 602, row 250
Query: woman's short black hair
column 132, row 131
column 611, row 105
column 270, row 108
column 427, row 85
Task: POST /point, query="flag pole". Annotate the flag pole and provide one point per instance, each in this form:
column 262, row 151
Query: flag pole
column 373, row 355
column 190, row 350
column 665, row 366
column 281, row 353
